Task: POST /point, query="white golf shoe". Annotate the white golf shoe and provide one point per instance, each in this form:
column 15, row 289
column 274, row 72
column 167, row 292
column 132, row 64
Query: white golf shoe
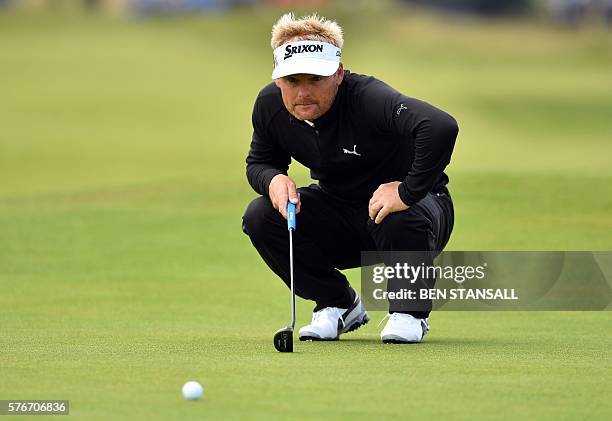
column 329, row 323
column 403, row 329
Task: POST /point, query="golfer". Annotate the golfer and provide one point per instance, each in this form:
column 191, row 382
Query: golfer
column 379, row 158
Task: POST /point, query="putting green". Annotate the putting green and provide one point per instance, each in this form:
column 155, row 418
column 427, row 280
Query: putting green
column 124, row 272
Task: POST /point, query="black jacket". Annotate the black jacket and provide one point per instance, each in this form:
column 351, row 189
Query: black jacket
column 397, row 138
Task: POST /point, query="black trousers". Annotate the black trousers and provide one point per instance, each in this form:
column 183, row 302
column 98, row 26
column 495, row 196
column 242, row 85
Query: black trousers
column 331, row 234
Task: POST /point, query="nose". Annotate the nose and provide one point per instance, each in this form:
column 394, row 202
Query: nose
column 304, row 91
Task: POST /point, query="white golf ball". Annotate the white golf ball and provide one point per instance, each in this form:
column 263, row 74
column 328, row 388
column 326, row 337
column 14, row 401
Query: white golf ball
column 192, row 390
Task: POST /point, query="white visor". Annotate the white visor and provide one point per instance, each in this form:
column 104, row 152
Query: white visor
column 306, row 57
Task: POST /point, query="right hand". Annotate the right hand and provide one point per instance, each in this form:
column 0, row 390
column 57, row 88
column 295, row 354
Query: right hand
column 281, row 190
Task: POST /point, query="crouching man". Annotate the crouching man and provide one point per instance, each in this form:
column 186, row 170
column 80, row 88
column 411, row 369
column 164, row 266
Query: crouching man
column 379, row 158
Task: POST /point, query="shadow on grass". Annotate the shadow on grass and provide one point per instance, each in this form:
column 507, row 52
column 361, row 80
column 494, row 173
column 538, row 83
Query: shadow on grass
column 437, row 341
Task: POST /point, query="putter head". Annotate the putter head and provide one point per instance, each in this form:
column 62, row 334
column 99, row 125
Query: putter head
column 283, row 339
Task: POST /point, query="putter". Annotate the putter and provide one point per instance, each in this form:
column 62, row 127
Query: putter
column 283, row 338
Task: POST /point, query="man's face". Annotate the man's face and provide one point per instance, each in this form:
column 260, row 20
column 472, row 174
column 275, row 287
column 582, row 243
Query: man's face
column 308, row 97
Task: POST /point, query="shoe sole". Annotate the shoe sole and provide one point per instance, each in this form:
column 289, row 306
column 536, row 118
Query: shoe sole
column 316, row 339
column 398, row 342
column 394, row 339
column 356, row 325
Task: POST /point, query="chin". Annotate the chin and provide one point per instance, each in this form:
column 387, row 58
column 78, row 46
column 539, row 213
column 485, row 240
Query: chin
column 310, row 115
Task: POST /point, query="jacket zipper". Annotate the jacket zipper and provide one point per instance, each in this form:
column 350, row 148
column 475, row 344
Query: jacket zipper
column 317, row 141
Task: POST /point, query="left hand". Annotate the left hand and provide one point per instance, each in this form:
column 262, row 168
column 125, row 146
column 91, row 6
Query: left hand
column 384, row 201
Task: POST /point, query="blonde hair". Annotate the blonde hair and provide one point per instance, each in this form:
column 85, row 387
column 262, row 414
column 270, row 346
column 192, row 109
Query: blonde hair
column 312, row 28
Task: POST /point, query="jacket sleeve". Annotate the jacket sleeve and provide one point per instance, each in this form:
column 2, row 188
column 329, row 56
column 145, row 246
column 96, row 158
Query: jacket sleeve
column 265, row 159
column 434, row 133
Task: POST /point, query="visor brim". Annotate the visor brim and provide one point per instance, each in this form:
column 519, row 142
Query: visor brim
column 306, row 66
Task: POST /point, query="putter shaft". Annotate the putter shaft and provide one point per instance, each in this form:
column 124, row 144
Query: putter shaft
column 283, row 338
column 291, row 274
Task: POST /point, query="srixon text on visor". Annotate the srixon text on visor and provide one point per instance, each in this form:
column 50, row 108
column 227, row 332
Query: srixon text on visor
column 311, row 48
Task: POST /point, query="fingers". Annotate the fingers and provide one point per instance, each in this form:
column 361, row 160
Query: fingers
column 282, row 206
column 282, row 190
column 285, row 201
column 293, row 195
column 276, row 191
column 299, row 204
column 288, row 194
column 283, row 209
column 374, row 208
column 382, row 214
column 280, row 202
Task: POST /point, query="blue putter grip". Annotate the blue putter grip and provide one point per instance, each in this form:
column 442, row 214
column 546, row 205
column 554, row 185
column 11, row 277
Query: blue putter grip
column 291, row 216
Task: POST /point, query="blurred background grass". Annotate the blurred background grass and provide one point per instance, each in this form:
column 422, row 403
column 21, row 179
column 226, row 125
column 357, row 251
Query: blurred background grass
column 92, row 103
column 122, row 146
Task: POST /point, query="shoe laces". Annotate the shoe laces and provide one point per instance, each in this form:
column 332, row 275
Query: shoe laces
column 335, row 311
column 395, row 316
column 423, row 323
column 390, row 316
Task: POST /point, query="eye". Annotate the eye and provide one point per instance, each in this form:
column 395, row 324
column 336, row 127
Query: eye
column 292, row 80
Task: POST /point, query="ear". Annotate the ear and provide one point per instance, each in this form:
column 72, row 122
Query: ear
column 277, row 82
column 339, row 75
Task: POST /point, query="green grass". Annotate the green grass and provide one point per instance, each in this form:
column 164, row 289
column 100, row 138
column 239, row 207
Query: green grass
column 124, row 271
